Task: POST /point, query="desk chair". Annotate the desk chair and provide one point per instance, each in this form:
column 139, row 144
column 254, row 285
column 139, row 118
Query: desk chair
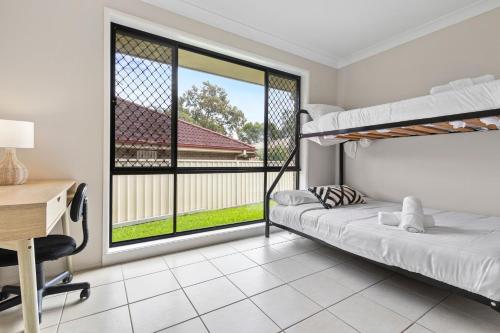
column 48, row 248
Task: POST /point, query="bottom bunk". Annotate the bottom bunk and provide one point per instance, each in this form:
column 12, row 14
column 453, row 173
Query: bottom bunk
column 461, row 251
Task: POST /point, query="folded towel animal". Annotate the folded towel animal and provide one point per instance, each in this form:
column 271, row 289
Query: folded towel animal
column 394, row 219
column 412, row 216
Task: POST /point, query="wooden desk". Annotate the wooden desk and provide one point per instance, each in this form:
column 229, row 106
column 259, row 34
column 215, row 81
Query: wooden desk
column 26, row 212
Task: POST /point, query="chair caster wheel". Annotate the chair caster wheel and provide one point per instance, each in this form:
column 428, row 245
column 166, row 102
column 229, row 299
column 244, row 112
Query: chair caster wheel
column 84, row 294
column 68, row 279
column 3, row 296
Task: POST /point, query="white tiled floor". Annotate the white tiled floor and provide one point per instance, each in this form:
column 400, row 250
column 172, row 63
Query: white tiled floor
column 282, row 284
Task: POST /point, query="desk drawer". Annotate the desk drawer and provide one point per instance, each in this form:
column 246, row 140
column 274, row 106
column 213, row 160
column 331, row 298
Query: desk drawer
column 55, row 208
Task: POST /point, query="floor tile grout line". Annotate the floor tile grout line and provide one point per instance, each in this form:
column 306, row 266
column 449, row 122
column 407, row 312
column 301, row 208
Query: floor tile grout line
column 416, row 293
column 206, row 260
column 144, row 274
column 85, row 316
column 400, row 314
column 60, row 316
column 198, row 250
column 307, row 275
column 190, row 302
column 128, row 304
column 342, row 320
column 432, row 308
column 314, row 314
column 92, row 314
column 250, row 299
column 62, row 312
column 130, row 318
column 393, row 311
column 286, row 256
column 179, row 323
column 322, row 308
column 326, row 308
column 358, row 292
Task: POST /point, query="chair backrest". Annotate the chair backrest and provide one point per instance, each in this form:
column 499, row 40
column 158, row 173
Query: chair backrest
column 77, row 205
column 78, row 211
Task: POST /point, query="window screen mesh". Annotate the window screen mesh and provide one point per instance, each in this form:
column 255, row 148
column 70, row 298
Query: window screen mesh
column 282, row 107
column 143, row 107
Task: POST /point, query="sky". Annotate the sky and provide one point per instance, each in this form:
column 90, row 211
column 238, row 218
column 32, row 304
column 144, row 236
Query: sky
column 248, row 97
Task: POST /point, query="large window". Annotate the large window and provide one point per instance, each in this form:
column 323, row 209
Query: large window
column 196, row 137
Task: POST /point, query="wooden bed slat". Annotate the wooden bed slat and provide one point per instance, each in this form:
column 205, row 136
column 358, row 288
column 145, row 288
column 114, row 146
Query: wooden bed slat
column 428, row 129
column 407, row 131
column 472, row 125
column 449, row 127
column 475, row 123
column 478, row 123
column 382, row 135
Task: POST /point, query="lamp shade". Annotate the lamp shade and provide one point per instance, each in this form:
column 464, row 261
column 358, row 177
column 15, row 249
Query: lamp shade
column 17, row 134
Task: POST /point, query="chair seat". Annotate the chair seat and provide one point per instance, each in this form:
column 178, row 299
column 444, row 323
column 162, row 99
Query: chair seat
column 47, row 248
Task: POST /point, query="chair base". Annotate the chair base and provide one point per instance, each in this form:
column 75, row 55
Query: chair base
column 59, row 284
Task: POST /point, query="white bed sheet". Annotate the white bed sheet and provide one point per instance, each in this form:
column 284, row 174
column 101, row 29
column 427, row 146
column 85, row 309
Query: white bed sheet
column 479, row 97
column 463, row 249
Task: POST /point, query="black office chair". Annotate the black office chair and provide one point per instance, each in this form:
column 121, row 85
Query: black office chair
column 48, row 248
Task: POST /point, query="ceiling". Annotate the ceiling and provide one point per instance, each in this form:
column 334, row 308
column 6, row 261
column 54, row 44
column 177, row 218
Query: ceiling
column 332, row 32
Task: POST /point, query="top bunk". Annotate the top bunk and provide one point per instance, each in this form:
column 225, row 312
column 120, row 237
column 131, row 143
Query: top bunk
column 471, row 108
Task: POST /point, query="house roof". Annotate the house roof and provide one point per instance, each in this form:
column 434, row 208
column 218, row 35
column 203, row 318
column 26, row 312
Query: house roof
column 136, row 124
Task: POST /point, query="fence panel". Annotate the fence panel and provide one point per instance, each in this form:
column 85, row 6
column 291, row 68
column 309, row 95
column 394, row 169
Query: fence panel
column 139, row 198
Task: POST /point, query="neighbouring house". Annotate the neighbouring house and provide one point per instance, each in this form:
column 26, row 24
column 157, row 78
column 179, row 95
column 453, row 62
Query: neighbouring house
column 144, row 133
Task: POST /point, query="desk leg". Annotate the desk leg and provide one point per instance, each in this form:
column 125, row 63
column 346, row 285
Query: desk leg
column 27, row 278
column 65, row 225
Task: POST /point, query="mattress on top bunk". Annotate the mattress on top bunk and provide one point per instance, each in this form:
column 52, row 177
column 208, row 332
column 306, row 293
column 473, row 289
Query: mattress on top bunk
column 463, row 249
column 479, row 97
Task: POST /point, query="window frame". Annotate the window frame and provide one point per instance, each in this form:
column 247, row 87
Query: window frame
column 173, row 169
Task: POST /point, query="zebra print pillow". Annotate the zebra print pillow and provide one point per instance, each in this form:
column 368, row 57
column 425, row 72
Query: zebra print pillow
column 337, row 195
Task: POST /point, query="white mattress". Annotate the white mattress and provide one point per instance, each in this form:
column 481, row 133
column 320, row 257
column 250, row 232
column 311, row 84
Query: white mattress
column 479, row 97
column 463, row 249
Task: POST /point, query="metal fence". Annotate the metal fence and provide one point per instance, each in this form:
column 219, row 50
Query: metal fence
column 142, row 198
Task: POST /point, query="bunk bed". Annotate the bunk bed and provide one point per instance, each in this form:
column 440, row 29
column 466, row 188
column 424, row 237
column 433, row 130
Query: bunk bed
column 467, row 260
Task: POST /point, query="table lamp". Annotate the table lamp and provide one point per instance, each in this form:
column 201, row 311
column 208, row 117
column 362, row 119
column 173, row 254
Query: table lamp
column 14, row 134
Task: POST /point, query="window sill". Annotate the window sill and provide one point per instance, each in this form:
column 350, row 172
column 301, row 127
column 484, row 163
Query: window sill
column 164, row 246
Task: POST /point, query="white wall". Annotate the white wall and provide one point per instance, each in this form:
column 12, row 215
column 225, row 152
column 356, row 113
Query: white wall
column 460, row 172
column 52, row 73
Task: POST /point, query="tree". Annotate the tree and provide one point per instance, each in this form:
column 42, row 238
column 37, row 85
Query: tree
column 209, row 106
column 251, row 132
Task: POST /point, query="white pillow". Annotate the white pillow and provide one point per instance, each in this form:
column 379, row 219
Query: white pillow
column 294, row 198
column 318, row 110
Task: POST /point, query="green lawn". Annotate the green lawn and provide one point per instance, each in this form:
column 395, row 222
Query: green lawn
column 191, row 221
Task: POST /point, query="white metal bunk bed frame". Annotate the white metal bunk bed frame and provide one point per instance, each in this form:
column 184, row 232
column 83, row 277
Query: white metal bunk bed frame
column 354, row 134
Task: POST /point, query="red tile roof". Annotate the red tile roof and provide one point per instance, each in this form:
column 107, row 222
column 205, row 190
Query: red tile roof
column 136, row 124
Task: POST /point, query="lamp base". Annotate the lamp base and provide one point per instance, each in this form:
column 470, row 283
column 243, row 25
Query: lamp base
column 12, row 171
